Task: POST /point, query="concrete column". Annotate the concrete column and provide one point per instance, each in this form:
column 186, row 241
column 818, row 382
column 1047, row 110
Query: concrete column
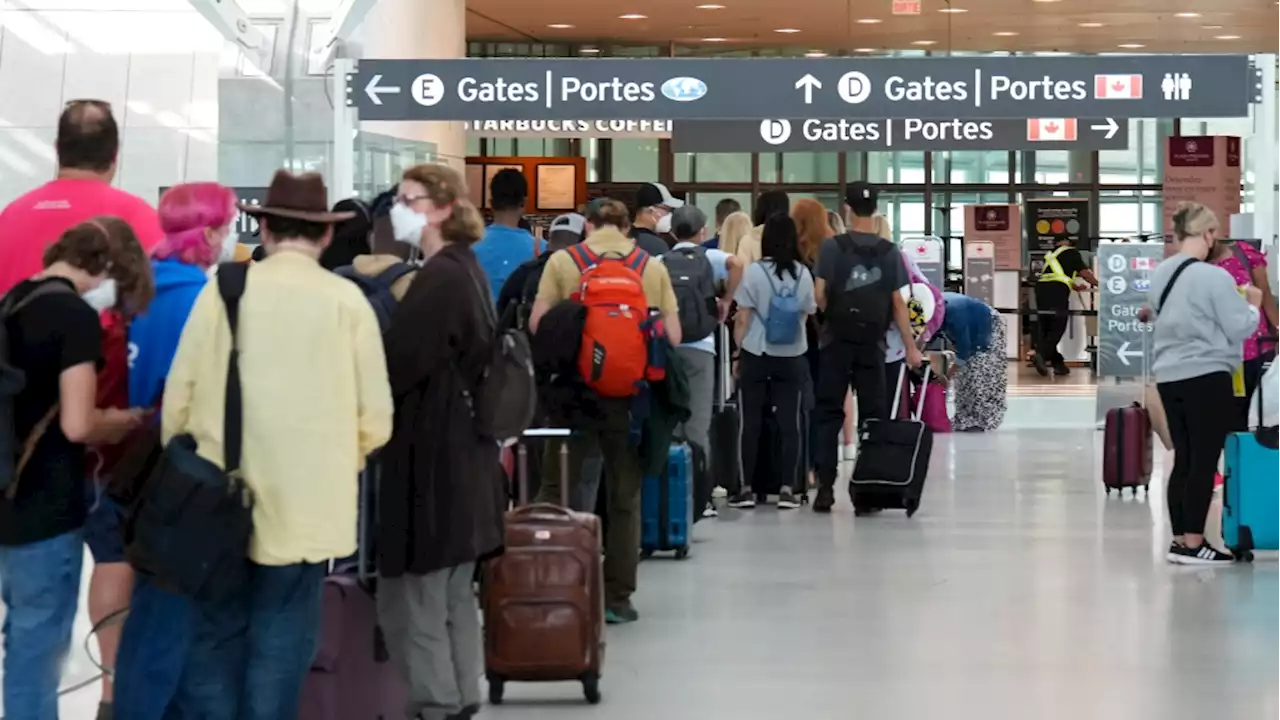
column 415, row 29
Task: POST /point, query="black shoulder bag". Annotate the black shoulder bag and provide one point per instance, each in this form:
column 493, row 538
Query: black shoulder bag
column 190, row 526
column 1177, row 272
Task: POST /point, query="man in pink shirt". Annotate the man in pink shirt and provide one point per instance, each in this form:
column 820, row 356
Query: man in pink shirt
column 88, row 145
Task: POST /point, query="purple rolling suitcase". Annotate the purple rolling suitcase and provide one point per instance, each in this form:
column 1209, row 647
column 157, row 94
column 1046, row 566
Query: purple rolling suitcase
column 352, row 677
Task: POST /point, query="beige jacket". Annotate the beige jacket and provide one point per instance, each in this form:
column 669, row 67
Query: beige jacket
column 371, row 265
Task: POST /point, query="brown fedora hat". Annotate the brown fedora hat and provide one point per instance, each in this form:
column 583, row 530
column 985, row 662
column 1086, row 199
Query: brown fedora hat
column 300, row 197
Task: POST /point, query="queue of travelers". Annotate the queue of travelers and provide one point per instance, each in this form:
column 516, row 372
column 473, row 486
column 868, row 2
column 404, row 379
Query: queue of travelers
column 140, row 330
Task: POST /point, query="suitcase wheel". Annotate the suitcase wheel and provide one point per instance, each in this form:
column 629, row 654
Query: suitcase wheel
column 496, row 687
column 1244, row 551
column 682, row 553
column 646, row 553
column 590, row 687
column 911, row 506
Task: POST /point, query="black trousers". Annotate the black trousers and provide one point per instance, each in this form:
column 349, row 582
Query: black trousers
column 1201, row 411
column 842, row 366
column 768, row 381
column 1054, row 326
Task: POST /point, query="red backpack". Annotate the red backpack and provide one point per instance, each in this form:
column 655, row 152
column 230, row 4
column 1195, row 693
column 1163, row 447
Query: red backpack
column 614, row 355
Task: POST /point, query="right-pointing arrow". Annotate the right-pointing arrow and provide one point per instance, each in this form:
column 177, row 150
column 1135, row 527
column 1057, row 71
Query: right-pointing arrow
column 373, row 90
column 1112, row 127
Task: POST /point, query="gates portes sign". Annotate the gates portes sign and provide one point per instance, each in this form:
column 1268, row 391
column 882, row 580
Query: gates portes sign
column 1122, row 86
column 817, row 135
column 1125, row 271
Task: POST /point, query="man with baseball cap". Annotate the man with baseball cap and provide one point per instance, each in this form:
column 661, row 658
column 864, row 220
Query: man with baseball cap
column 521, row 287
column 651, row 217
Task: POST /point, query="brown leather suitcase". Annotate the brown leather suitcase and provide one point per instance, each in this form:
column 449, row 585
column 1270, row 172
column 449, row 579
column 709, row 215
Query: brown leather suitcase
column 544, row 597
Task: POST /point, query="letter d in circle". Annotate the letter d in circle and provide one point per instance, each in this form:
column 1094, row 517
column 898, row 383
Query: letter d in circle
column 775, row 132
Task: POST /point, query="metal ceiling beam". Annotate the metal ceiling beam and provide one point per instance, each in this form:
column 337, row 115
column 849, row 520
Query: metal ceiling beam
column 233, row 23
column 342, row 24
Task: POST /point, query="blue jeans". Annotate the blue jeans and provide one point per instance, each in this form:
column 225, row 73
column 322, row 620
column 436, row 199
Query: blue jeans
column 251, row 651
column 40, row 586
column 153, row 651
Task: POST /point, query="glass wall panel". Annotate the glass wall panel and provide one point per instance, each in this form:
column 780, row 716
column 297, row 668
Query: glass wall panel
column 707, row 201
column 713, row 167
column 807, row 167
column 635, row 160
column 768, row 174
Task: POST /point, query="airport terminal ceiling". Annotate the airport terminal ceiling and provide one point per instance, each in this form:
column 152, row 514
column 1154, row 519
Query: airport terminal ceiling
column 832, row 26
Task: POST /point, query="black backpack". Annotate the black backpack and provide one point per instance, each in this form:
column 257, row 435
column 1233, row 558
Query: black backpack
column 504, row 402
column 694, row 282
column 860, row 301
column 377, row 288
column 15, row 453
column 516, row 314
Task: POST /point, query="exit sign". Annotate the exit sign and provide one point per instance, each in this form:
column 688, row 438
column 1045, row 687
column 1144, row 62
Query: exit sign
column 906, row 7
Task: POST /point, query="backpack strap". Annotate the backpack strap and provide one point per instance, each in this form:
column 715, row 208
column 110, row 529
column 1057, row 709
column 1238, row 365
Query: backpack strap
column 388, row 277
column 1169, row 285
column 637, row 260
column 581, row 256
column 1243, row 258
column 231, row 283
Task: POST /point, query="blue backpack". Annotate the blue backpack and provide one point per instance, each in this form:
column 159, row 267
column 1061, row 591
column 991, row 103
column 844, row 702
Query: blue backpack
column 782, row 326
column 377, row 288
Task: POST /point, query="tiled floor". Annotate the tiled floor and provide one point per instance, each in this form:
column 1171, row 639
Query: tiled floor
column 1019, row 591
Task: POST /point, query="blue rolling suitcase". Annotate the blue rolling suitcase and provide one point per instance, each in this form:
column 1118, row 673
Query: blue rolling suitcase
column 1250, row 493
column 666, row 506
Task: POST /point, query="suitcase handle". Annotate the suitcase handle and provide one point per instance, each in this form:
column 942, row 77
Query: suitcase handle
column 902, row 381
column 522, row 465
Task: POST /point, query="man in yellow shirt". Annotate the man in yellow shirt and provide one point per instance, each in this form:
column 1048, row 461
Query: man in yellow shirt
column 316, row 402
column 607, row 222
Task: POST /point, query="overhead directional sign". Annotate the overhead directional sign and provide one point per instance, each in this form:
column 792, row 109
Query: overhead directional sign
column 852, row 88
column 815, row 135
column 1124, row 279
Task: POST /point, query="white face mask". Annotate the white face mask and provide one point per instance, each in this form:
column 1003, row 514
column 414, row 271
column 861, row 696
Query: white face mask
column 664, row 225
column 227, row 252
column 407, row 225
column 102, row 297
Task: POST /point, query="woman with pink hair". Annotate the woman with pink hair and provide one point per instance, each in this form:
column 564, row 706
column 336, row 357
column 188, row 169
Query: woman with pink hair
column 196, row 219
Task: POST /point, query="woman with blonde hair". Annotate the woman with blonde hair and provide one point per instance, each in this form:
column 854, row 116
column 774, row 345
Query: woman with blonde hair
column 732, row 231
column 1201, row 323
column 442, row 496
column 836, row 222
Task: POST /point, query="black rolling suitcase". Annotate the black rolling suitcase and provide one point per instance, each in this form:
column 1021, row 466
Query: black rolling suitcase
column 726, row 455
column 893, row 458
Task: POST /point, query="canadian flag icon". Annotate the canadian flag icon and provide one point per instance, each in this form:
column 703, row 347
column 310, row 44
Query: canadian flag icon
column 1117, row 87
column 1051, row 129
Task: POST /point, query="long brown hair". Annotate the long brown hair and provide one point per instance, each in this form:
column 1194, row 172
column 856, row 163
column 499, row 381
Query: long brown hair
column 811, row 227
column 446, row 187
column 108, row 245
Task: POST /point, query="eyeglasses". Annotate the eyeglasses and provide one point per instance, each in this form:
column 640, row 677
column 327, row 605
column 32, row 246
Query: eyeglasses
column 411, row 199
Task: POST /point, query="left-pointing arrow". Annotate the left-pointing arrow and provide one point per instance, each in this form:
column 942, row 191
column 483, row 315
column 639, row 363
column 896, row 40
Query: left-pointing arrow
column 373, row 90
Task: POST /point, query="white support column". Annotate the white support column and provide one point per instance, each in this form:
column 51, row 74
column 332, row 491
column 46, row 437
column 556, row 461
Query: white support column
column 1262, row 155
column 342, row 178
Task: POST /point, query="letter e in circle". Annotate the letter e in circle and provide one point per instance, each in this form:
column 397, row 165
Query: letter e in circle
column 1116, row 284
column 1116, row 263
column 854, row 87
column 427, row 90
column 775, row 132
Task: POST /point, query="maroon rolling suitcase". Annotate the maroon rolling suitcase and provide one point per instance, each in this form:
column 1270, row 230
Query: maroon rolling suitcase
column 352, row 676
column 1126, row 449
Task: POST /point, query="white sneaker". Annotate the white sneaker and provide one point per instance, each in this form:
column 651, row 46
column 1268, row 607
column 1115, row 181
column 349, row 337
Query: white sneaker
column 850, row 452
column 719, row 492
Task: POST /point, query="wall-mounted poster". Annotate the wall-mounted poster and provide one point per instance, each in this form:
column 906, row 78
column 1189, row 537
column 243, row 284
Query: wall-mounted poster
column 557, row 187
column 1051, row 220
column 1000, row 225
column 1206, row 170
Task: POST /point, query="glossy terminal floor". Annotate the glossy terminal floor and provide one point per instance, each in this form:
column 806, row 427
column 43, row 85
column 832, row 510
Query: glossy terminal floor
column 1018, row 592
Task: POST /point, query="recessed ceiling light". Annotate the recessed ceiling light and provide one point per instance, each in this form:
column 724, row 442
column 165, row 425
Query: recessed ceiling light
column 711, row 7
column 633, row 16
column 589, row 50
column 1090, row 25
column 924, row 42
column 1211, row 27
column 1046, row 1
column 864, row 50
column 1004, row 33
column 1132, row 46
column 815, row 54
column 712, row 39
column 952, row 10
column 787, row 31
column 559, row 26
column 1187, row 14
column 1226, row 37
column 869, row 21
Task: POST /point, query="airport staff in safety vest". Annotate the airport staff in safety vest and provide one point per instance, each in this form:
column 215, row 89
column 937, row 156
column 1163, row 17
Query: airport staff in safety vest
column 1064, row 270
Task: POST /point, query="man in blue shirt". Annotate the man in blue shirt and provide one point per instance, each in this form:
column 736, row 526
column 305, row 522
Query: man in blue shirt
column 505, row 245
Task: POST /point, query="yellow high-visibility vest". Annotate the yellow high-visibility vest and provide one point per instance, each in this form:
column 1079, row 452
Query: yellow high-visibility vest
column 1053, row 271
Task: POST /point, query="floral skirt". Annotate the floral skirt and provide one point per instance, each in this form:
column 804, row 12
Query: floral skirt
column 981, row 385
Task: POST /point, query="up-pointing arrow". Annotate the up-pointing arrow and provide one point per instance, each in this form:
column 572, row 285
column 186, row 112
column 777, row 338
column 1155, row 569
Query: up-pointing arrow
column 1112, row 127
column 373, row 90
column 808, row 83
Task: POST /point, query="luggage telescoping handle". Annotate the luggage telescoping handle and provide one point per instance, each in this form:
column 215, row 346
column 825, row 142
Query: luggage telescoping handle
column 522, row 461
column 724, row 365
column 366, row 509
column 902, row 382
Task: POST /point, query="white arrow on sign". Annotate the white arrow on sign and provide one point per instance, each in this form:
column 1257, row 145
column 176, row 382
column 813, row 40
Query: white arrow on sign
column 808, row 83
column 373, row 90
column 1124, row 353
column 1112, row 127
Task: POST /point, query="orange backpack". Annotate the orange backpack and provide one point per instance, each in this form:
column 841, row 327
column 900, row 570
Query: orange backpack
column 614, row 355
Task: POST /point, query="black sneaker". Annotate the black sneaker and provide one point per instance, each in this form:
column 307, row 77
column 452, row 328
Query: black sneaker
column 1206, row 554
column 1175, row 550
column 1062, row 371
column 824, row 500
column 710, row 511
column 744, row 500
column 1042, row 367
column 787, row 500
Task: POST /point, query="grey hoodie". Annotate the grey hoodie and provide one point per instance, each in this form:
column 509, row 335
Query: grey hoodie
column 1204, row 322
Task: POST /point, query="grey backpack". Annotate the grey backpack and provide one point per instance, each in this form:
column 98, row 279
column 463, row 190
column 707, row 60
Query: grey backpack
column 694, row 282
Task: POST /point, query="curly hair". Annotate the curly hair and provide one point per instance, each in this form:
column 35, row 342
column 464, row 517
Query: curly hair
column 446, row 188
column 108, row 245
